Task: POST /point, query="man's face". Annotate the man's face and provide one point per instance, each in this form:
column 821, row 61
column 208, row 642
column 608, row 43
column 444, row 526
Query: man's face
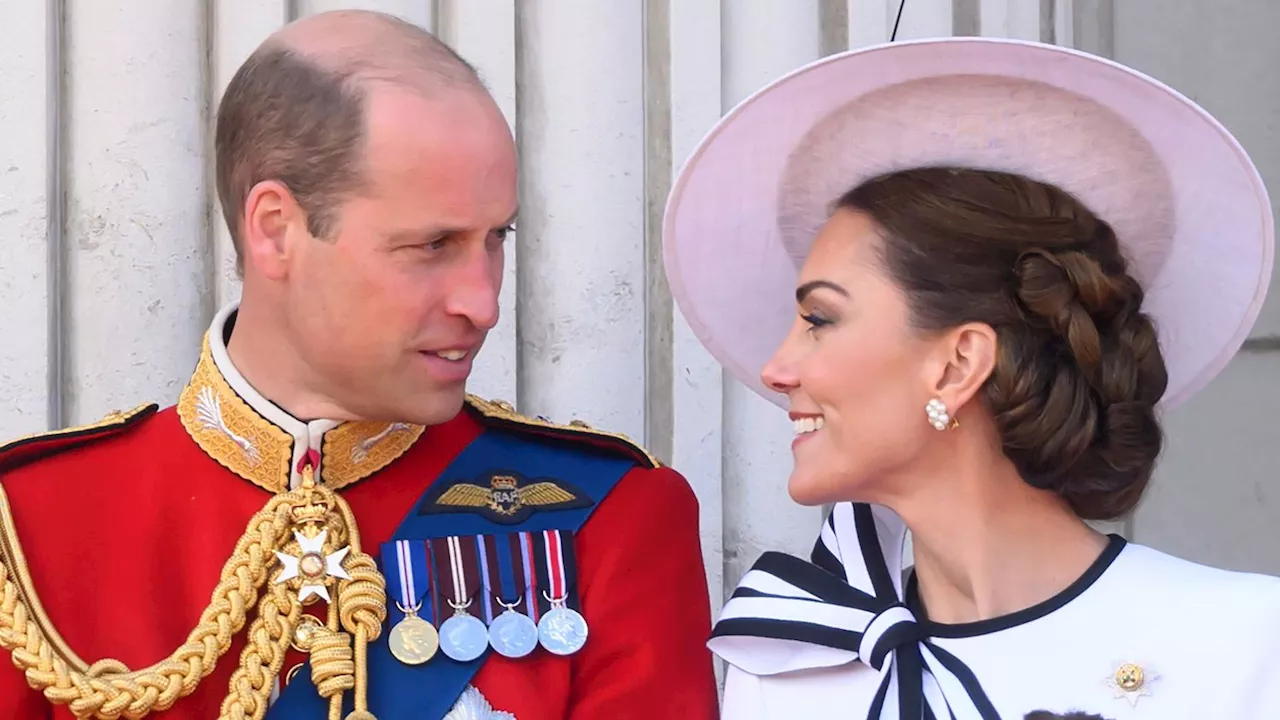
column 388, row 315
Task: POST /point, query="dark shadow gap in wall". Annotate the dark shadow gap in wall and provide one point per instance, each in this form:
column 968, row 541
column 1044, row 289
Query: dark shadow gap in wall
column 56, row 220
column 966, row 18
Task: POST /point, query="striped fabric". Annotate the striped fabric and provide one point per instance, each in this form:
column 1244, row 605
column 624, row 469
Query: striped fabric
column 847, row 605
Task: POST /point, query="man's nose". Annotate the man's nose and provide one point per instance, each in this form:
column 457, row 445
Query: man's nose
column 475, row 288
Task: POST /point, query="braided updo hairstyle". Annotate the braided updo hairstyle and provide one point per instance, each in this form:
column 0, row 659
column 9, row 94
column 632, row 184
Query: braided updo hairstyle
column 1078, row 371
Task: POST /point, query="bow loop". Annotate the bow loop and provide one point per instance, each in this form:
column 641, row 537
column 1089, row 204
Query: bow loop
column 846, row 605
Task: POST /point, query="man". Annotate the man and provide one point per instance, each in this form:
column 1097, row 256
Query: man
column 325, row 521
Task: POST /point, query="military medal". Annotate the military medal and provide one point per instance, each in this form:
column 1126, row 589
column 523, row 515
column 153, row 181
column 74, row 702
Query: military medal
column 512, row 634
column 463, row 637
column 413, row 640
column 561, row 630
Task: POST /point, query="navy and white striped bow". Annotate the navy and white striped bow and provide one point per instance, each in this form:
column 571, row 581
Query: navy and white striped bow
column 845, row 605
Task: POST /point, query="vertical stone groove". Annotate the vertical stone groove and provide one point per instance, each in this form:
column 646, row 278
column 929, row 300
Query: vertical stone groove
column 659, row 408
column 55, row 172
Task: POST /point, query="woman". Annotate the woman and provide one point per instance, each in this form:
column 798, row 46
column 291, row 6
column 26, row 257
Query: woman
column 1006, row 260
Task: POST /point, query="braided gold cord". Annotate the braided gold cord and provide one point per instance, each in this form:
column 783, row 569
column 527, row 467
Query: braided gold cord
column 107, row 689
column 263, row 655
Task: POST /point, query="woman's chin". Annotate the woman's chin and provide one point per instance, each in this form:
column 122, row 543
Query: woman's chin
column 813, row 489
column 809, row 491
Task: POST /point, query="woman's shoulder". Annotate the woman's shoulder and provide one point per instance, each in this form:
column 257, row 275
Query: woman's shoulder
column 1231, row 608
column 1148, row 570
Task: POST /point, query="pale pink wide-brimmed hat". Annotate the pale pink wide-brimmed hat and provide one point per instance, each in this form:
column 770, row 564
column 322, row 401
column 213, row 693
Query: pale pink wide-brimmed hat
column 1183, row 197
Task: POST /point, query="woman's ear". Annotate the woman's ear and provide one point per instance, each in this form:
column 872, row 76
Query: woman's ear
column 966, row 357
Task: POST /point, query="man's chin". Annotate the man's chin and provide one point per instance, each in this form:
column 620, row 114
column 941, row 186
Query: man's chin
column 434, row 408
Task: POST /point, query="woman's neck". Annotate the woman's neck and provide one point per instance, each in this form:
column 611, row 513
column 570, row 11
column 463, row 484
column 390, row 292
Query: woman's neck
column 986, row 544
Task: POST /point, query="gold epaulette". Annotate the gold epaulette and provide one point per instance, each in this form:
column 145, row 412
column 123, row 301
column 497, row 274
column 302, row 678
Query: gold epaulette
column 502, row 414
column 29, row 448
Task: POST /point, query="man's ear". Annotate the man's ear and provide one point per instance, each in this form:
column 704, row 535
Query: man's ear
column 965, row 358
column 272, row 219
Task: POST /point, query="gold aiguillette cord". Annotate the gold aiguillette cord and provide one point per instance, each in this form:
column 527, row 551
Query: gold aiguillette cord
column 108, row 689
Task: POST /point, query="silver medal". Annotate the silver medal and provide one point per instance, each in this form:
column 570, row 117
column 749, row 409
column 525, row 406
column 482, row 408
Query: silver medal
column 562, row 631
column 513, row 634
column 463, row 637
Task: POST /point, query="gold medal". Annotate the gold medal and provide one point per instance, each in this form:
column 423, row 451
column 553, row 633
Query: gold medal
column 413, row 641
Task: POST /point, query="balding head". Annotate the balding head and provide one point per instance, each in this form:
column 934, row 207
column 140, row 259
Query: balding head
column 370, row 46
column 295, row 110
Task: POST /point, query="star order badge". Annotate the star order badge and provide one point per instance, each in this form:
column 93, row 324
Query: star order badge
column 313, row 566
column 1131, row 681
column 503, row 497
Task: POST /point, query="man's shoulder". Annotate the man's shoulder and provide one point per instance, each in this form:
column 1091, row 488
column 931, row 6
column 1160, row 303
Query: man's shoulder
column 573, row 435
column 118, row 433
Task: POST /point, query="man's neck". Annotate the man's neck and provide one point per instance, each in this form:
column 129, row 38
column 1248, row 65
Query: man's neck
column 272, row 368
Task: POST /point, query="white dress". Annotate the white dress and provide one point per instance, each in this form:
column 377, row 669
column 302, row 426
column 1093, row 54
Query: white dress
column 1141, row 635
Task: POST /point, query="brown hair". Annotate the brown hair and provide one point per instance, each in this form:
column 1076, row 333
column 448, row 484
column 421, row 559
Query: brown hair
column 299, row 118
column 1079, row 369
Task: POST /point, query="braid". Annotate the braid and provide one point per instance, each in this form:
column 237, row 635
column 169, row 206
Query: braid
column 1101, row 380
column 1079, row 370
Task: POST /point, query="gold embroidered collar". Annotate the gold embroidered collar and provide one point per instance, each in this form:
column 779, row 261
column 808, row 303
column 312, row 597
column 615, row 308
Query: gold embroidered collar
column 255, row 439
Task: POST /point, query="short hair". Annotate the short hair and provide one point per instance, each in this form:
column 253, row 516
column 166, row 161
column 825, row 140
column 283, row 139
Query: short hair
column 299, row 117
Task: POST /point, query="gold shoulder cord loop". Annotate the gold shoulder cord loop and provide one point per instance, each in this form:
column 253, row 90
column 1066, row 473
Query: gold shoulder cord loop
column 309, row 532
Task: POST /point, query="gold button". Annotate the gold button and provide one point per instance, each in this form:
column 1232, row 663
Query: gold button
column 1129, row 677
column 305, row 632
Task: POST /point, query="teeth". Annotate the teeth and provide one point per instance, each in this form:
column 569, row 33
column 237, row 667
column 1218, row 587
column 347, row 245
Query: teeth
column 452, row 354
column 807, row 424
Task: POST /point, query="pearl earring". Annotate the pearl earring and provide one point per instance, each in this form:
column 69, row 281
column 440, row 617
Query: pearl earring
column 939, row 418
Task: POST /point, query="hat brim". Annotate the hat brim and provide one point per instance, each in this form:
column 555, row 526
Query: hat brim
column 1191, row 211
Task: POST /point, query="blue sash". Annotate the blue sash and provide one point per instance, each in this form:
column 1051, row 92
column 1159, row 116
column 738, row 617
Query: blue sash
column 427, row 692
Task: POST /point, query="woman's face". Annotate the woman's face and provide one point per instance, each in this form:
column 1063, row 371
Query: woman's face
column 858, row 377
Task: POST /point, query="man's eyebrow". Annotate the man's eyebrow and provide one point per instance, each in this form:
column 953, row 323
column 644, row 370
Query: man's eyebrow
column 804, row 290
column 411, row 234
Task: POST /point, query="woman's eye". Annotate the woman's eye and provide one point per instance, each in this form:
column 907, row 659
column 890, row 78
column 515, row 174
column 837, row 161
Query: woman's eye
column 815, row 321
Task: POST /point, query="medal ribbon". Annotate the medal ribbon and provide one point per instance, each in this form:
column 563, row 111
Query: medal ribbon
column 484, row 558
column 533, row 588
column 458, row 574
column 510, row 589
column 459, row 571
column 408, row 572
column 556, row 568
column 553, row 543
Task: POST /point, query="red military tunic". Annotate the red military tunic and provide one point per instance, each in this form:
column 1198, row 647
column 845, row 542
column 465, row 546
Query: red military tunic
column 126, row 528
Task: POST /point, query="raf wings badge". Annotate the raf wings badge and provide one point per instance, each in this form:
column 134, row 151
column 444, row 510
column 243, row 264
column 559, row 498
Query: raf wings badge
column 505, row 497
